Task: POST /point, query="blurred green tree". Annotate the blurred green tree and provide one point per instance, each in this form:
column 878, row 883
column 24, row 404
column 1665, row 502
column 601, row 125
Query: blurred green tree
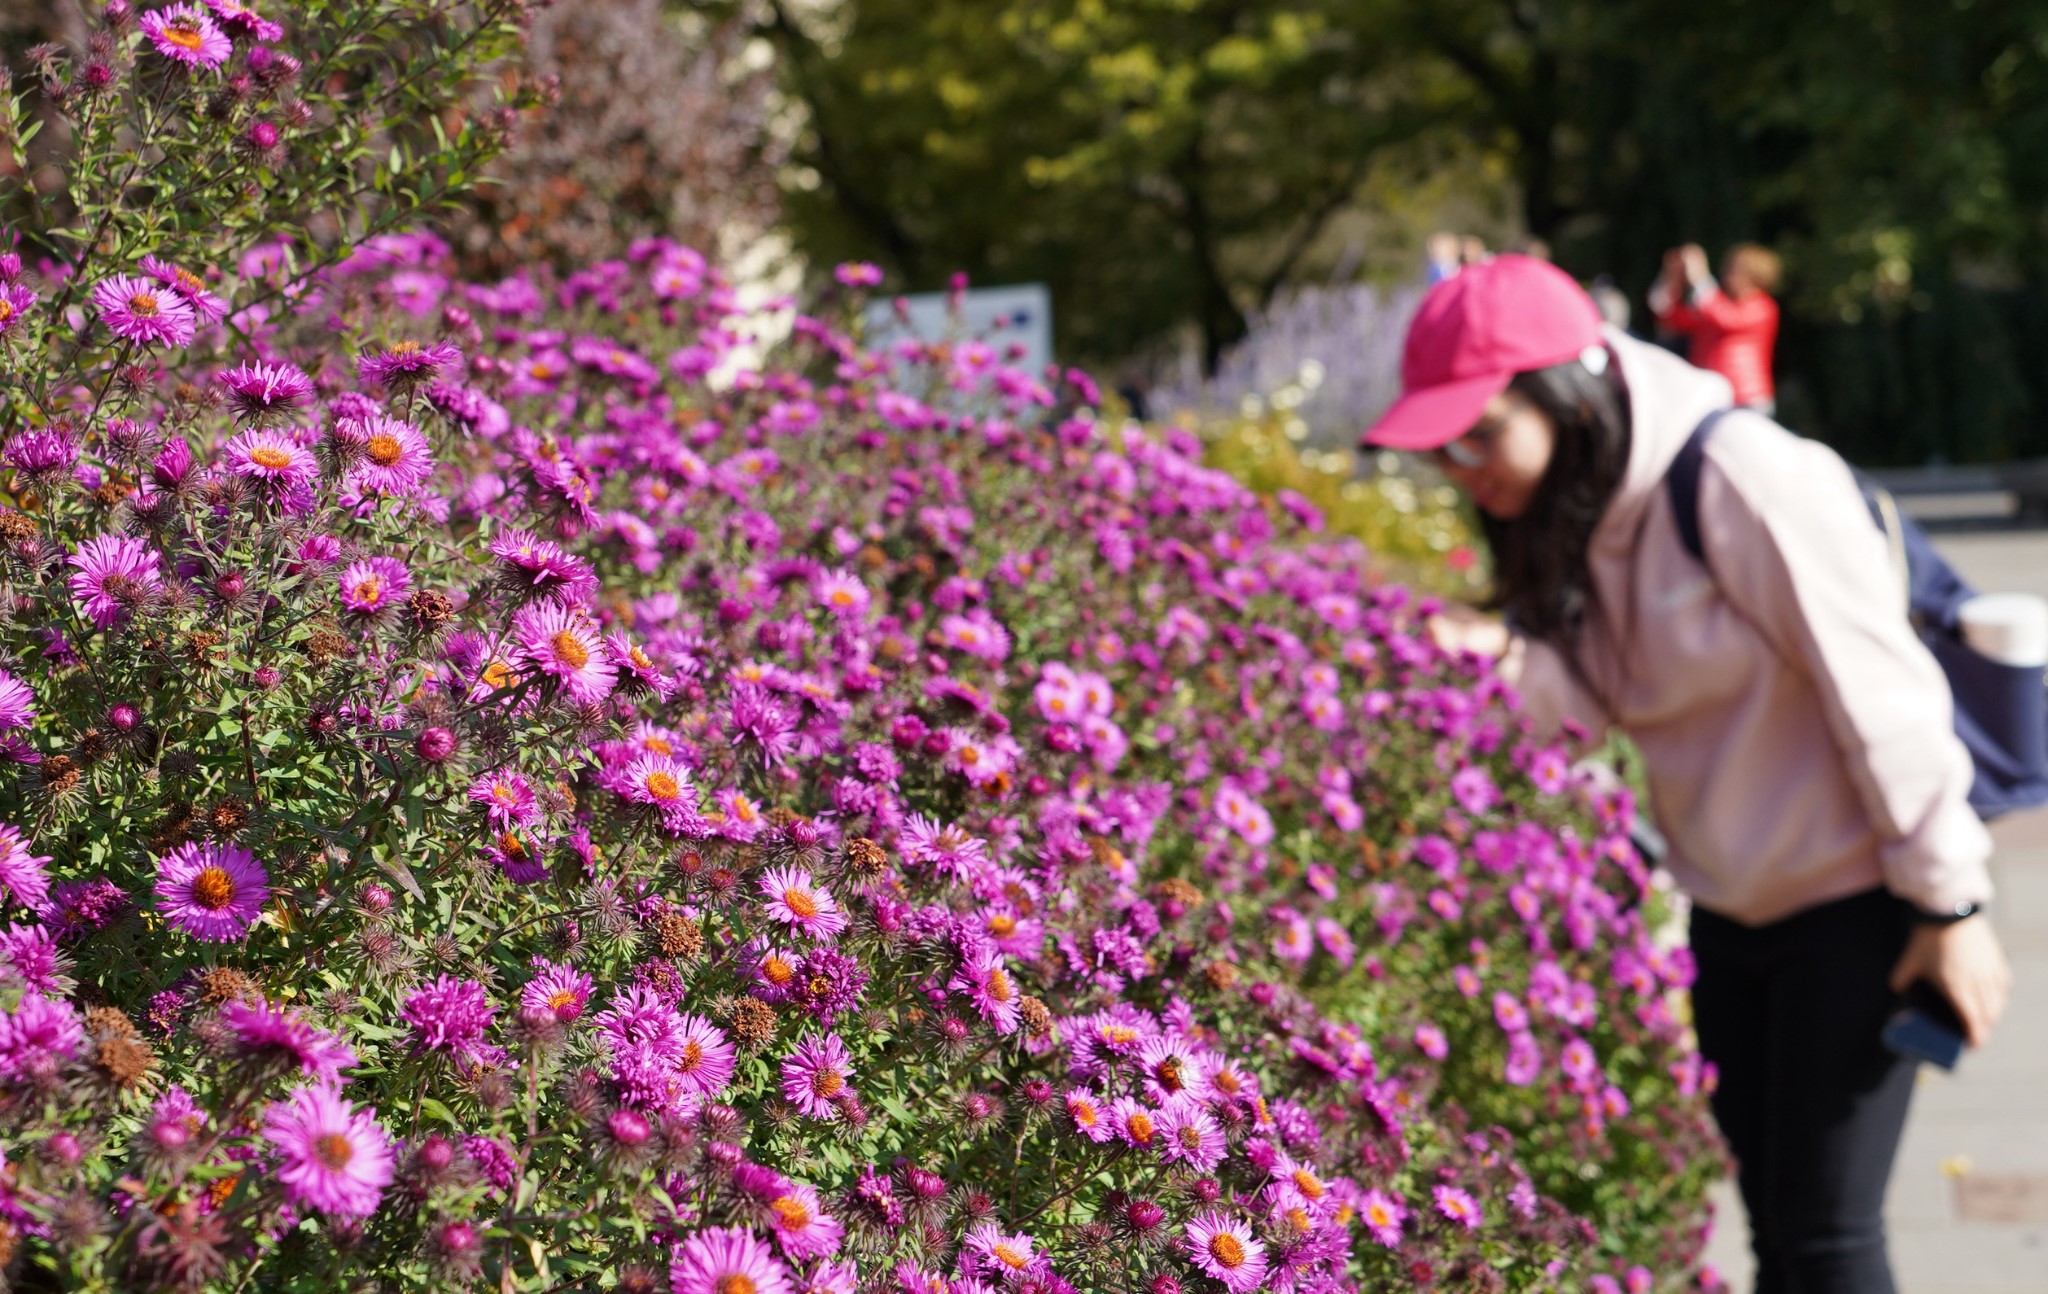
column 1157, row 162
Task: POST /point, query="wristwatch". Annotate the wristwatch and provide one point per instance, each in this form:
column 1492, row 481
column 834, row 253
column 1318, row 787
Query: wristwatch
column 1962, row 911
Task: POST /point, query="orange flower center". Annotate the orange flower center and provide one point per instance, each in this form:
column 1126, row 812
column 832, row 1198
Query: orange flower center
column 144, row 304
column 999, row 985
column 270, row 456
column 334, row 1150
column 1002, row 925
column 1226, row 1250
column 778, row 971
column 639, row 659
column 800, row 903
column 213, row 889
column 1308, row 1184
column 512, row 846
column 828, row 1083
column 791, row 1213
column 1141, row 1129
column 369, row 591
column 1007, row 1254
column 1084, row 1114
column 569, row 649
column 385, row 449
column 658, row 745
column 188, row 280
column 1190, row 1137
column 662, row 786
column 6, row 310
column 498, row 674
column 736, row 1284
column 560, row 998
column 1225, row 1081
column 693, row 1056
column 404, row 348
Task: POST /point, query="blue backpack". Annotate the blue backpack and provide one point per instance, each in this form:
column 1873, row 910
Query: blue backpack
column 2001, row 711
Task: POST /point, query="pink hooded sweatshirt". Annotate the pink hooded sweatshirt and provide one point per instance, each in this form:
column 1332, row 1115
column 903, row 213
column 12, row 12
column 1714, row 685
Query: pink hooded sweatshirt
column 1797, row 735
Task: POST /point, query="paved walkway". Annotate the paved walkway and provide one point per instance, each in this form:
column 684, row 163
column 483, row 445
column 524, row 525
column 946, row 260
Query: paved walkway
column 1968, row 1209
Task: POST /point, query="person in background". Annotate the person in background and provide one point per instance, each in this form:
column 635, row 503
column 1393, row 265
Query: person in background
column 1796, row 734
column 1733, row 324
column 1444, row 261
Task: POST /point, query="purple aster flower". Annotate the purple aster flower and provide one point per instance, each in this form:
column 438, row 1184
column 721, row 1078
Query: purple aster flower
column 450, row 1015
column 494, row 1160
column 244, row 21
column 211, row 891
column 21, row 872
column 31, row 952
column 1226, row 1250
column 407, row 364
column 17, row 703
column 557, row 990
column 796, row 900
column 829, row 984
column 507, row 798
column 80, row 907
column 333, row 1158
column 660, row 781
column 1383, row 1216
column 15, row 299
column 637, row 670
column 842, row 593
column 263, row 393
column 531, row 567
column 140, row 310
column 859, row 274
column 989, row 986
column 267, row 1033
column 43, row 455
column 562, row 643
column 115, row 574
column 187, row 287
column 1188, row 1135
column 38, row 1035
column 727, row 1260
column 755, row 717
column 1458, row 1206
column 374, row 585
column 816, row 1075
column 800, row 1225
column 395, row 458
column 185, row 35
column 272, row 458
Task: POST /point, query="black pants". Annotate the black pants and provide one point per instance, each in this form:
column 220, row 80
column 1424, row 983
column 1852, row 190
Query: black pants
column 1809, row 1098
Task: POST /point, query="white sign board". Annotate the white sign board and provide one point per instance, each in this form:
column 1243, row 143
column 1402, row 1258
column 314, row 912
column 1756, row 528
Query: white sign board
column 1019, row 315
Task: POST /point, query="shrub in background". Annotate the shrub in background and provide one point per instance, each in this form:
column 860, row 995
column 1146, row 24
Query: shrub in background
column 487, row 803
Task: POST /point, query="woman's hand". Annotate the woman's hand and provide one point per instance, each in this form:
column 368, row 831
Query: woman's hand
column 1459, row 628
column 1962, row 959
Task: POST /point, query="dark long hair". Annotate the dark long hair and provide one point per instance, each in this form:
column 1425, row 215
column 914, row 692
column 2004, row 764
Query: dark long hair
column 1540, row 575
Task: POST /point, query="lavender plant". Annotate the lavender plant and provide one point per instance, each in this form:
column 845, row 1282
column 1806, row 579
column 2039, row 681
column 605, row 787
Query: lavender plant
column 495, row 793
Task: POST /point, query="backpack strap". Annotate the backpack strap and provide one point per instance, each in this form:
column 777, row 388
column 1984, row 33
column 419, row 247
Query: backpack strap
column 1682, row 485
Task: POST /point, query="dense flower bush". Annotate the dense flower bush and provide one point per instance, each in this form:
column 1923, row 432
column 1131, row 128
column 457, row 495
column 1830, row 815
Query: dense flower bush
column 496, row 794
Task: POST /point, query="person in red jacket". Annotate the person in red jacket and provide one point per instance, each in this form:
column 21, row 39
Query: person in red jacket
column 1733, row 324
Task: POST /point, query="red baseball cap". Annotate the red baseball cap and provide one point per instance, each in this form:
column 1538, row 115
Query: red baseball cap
column 1471, row 335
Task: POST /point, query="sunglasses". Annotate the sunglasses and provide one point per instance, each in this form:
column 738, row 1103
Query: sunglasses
column 1475, row 447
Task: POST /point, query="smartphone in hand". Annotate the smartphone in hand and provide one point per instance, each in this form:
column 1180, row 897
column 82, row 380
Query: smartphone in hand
column 1926, row 1027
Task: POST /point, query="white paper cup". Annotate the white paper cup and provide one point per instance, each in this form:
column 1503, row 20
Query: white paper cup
column 2010, row 628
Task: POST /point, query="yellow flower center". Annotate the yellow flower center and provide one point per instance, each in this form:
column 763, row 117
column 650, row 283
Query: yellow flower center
column 334, row 1150
column 270, row 456
column 662, row 786
column 800, row 902
column 385, row 449
column 213, row 889
column 569, row 649
column 1226, row 1250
